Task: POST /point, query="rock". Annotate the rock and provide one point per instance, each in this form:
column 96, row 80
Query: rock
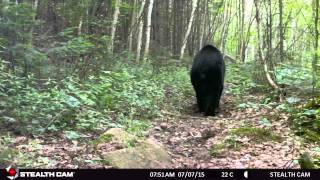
column 146, row 154
column 117, row 135
column 157, row 128
column 163, row 125
column 207, row 133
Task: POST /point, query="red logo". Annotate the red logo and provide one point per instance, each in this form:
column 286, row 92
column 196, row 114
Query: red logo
column 12, row 173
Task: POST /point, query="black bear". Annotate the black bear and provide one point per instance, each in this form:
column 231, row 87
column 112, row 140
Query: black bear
column 207, row 77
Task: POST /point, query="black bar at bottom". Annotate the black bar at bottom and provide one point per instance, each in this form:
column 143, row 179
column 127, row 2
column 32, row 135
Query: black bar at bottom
column 140, row 174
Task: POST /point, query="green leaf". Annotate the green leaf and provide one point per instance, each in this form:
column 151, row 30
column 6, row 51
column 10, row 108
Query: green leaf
column 72, row 135
column 292, row 100
column 72, row 101
column 316, row 149
column 310, row 112
column 265, row 121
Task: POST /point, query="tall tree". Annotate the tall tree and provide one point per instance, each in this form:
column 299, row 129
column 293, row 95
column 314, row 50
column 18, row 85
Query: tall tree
column 281, row 35
column 261, row 54
column 184, row 41
column 226, row 23
column 316, row 43
column 148, row 28
column 114, row 23
column 170, row 24
column 203, row 14
column 140, row 30
column 241, row 41
column 133, row 16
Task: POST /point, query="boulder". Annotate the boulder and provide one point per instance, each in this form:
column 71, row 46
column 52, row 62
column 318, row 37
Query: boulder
column 146, row 153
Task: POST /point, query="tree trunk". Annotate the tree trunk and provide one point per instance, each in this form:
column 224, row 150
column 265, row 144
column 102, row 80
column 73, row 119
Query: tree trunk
column 170, row 15
column 269, row 25
column 241, row 34
column 80, row 25
column 140, row 30
column 139, row 41
column 316, row 45
column 261, row 53
column 184, row 42
column 226, row 22
column 114, row 24
column 281, row 36
column 202, row 24
column 148, row 28
column 132, row 25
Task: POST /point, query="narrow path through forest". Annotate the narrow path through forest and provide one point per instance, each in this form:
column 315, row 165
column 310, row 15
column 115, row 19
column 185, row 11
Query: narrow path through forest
column 248, row 137
column 193, row 140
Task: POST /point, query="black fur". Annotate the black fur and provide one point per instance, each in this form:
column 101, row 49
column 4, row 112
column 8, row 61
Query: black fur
column 207, row 77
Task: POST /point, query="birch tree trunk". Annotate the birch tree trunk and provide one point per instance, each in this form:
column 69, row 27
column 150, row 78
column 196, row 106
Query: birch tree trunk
column 316, row 45
column 202, row 24
column 114, row 24
column 139, row 43
column 170, row 27
column 185, row 39
column 148, row 28
column 140, row 29
column 132, row 25
column 80, row 25
column 226, row 23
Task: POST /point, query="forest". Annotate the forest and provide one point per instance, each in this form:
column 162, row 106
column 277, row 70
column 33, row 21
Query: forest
column 112, row 84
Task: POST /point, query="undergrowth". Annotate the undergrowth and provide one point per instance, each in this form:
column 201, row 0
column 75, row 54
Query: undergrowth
column 128, row 97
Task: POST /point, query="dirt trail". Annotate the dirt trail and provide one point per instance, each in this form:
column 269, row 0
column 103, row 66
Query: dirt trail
column 189, row 139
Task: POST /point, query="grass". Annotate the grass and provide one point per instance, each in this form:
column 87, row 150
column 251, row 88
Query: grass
column 258, row 135
column 228, row 144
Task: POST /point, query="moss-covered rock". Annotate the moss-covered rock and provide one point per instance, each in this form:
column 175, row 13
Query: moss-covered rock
column 116, row 135
column 146, row 154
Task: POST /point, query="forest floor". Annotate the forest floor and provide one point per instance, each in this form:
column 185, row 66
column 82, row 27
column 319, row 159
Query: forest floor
column 249, row 137
column 195, row 141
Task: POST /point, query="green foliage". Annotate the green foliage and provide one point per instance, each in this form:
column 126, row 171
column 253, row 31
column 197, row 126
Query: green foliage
column 7, row 154
column 293, row 76
column 217, row 150
column 17, row 21
column 73, row 46
column 27, row 107
column 248, row 105
column 125, row 93
column 257, row 134
column 306, row 162
column 177, row 86
column 122, row 98
column 306, row 120
column 73, row 135
column 265, row 122
column 16, row 36
column 240, row 77
column 230, row 143
column 104, row 138
column 135, row 127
